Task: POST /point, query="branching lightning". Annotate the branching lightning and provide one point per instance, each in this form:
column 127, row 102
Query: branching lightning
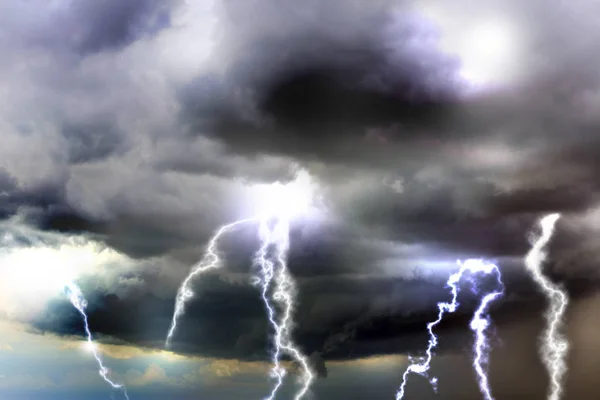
column 554, row 346
column 284, row 293
column 80, row 303
column 281, row 204
column 267, row 273
column 479, row 324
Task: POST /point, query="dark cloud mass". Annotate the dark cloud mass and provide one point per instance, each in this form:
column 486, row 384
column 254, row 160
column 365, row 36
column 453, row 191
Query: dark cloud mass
column 315, row 92
column 144, row 125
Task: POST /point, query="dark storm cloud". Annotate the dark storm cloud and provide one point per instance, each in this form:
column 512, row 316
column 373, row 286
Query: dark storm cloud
column 456, row 216
column 216, row 327
column 226, row 321
column 203, row 156
column 316, row 86
column 365, row 86
column 65, row 220
column 313, row 89
column 45, row 199
column 338, row 317
column 354, row 93
column 147, row 159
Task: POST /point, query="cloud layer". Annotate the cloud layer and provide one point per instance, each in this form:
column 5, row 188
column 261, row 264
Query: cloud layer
column 142, row 127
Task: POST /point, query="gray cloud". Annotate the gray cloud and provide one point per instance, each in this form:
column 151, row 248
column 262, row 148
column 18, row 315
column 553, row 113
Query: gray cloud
column 115, row 125
column 86, row 28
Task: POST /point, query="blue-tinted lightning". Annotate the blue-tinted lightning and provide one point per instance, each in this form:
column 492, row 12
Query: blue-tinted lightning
column 80, row 303
column 479, row 324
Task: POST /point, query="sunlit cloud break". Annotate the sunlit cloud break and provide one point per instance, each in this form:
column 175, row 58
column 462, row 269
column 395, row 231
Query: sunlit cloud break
column 46, row 264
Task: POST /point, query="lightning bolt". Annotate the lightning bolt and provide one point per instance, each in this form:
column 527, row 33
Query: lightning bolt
column 267, row 273
column 211, row 260
column 278, row 289
column 554, row 346
column 80, row 303
column 479, row 324
column 284, row 292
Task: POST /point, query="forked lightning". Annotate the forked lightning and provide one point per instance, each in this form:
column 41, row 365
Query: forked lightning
column 284, row 292
column 267, row 273
column 280, row 204
column 479, row 324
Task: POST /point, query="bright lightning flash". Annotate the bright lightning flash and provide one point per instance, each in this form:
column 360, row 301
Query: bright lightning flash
column 554, row 345
column 282, row 203
column 80, row 303
column 284, row 294
column 479, row 324
column 278, row 205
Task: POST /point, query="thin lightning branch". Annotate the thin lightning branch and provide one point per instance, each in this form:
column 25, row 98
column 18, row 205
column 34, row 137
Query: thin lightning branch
column 554, row 346
column 80, row 303
column 211, row 260
column 478, row 324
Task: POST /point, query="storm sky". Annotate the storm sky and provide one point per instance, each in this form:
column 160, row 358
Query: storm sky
column 435, row 131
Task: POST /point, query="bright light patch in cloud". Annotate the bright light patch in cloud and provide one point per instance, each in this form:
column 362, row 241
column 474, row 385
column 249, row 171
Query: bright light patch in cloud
column 487, row 45
column 487, row 53
column 34, row 267
column 285, row 200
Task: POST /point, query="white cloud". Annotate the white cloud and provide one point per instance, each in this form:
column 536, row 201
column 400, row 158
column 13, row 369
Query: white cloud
column 35, row 266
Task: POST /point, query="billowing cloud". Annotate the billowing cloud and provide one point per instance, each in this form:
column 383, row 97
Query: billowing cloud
column 131, row 131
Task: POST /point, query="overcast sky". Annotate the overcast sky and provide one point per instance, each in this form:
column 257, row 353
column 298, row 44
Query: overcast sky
column 435, row 131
